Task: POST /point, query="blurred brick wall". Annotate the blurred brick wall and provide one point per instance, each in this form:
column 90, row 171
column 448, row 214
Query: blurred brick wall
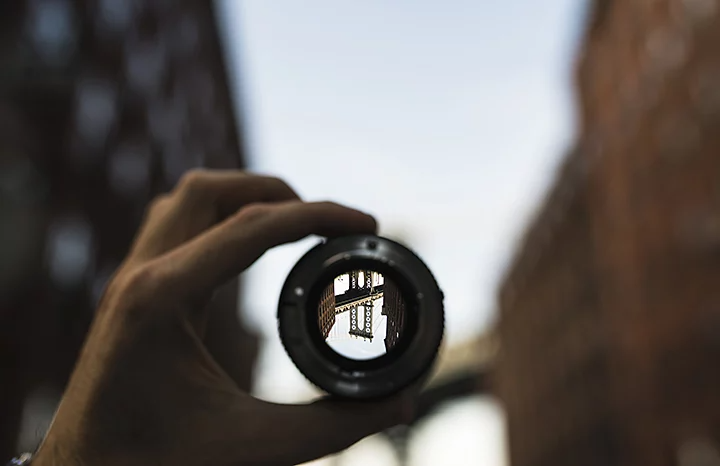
column 644, row 227
column 552, row 370
column 103, row 104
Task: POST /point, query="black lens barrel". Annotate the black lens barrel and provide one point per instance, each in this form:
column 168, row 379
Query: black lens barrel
column 423, row 327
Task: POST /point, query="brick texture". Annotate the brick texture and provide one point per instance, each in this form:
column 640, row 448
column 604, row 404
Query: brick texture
column 610, row 312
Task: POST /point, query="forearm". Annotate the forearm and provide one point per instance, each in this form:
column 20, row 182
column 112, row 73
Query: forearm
column 66, row 454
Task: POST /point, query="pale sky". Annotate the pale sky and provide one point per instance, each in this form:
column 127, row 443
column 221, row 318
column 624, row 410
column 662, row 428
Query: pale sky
column 443, row 119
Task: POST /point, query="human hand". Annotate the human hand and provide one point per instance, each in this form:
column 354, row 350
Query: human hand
column 146, row 391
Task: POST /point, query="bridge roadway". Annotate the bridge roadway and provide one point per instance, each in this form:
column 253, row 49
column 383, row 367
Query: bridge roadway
column 358, row 302
column 357, row 297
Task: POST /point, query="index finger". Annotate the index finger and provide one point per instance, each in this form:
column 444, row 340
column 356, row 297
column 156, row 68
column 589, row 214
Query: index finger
column 229, row 190
column 202, row 199
column 232, row 246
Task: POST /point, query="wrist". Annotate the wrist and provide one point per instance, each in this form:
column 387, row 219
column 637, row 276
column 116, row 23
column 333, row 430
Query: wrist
column 59, row 451
column 22, row 460
column 49, row 456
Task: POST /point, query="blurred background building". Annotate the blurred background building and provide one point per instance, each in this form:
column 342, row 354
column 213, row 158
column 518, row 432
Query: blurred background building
column 609, row 317
column 103, row 105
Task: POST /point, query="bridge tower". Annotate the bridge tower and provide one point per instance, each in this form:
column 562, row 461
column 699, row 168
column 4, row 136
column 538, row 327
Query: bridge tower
column 362, row 293
column 368, row 274
column 353, row 279
column 367, row 315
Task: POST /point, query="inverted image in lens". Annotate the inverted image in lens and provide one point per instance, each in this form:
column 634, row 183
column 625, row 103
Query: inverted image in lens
column 361, row 314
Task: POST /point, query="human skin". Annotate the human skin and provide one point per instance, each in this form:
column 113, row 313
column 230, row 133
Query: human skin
column 146, row 390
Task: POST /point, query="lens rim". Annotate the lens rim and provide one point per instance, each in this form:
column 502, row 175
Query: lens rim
column 415, row 351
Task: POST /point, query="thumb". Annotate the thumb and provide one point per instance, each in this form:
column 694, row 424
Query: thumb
column 258, row 432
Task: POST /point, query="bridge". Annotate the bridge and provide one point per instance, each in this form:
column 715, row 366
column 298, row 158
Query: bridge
column 359, row 297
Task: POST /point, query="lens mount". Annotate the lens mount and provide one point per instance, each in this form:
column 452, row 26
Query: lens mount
column 413, row 351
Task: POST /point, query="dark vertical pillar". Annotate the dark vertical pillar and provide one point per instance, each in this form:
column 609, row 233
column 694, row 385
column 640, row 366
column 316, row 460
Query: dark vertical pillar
column 326, row 310
column 394, row 309
column 353, row 320
column 368, row 320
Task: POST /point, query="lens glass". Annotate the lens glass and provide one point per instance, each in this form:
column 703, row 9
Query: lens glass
column 361, row 314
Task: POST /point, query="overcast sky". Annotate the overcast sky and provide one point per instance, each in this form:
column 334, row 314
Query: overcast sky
column 443, row 119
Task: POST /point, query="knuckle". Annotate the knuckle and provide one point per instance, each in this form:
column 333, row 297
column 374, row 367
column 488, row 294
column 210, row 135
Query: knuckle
column 326, row 207
column 280, row 184
column 138, row 293
column 329, row 204
column 193, row 182
column 158, row 203
column 253, row 212
column 138, row 285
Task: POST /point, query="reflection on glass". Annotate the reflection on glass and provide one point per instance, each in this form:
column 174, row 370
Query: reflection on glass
column 361, row 314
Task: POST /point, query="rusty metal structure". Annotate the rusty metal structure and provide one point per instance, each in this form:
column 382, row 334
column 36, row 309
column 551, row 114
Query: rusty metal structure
column 103, row 104
column 326, row 310
column 608, row 314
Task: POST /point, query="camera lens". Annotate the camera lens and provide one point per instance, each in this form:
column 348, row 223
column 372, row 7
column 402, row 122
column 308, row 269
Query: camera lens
column 361, row 316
